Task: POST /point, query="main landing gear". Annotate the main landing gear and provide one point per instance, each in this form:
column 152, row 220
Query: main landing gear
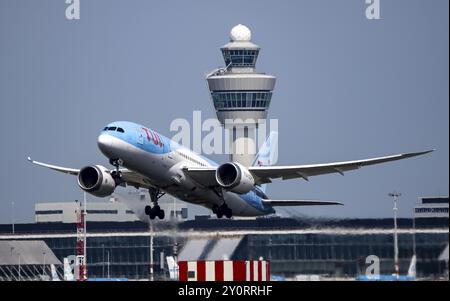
column 222, row 210
column 155, row 211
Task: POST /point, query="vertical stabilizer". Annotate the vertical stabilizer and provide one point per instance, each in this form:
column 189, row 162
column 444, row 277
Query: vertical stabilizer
column 268, row 153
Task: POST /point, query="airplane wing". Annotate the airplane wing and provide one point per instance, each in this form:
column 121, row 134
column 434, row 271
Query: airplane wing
column 70, row 171
column 274, row 203
column 264, row 174
column 128, row 177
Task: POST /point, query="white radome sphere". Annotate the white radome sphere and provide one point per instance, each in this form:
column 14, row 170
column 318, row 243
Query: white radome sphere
column 240, row 33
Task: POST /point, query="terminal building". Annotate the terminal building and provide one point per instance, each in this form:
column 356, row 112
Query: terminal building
column 327, row 249
column 66, row 212
column 432, row 208
column 116, row 210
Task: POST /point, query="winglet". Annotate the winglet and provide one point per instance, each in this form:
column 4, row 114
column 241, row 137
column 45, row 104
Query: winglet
column 424, row 152
column 29, row 159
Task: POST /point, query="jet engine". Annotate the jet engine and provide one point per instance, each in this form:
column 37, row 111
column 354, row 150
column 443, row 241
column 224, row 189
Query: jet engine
column 234, row 177
column 96, row 180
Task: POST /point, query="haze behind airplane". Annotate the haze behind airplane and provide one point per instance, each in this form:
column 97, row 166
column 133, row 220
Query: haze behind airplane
column 154, row 162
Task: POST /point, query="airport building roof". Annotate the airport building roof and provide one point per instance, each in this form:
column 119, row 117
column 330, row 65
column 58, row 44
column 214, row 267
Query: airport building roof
column 31, row 252
column 444, row 254
column 210, row 248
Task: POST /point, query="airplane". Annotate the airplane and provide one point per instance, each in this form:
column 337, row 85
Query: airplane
column 143, row 158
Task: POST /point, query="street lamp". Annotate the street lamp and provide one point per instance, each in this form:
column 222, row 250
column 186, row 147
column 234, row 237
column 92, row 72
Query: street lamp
column 107, row 252
column 103, row 260
column 151, row 251
column 20, row 276
column 395, row 196
column 84, row 234
column 43, row 268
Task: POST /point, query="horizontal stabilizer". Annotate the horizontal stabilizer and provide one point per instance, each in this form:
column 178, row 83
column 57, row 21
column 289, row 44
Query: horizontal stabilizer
column 298, row 203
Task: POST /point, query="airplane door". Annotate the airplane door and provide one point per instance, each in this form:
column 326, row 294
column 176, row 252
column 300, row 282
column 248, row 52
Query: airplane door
column 140, row 135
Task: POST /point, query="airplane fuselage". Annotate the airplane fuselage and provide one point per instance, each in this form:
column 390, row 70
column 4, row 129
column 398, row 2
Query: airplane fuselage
column 162, row 160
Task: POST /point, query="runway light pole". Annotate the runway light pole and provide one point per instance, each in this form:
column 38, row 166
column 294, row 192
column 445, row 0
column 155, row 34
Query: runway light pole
column 107, row 253
column 103, row 260
column 20, row 272
column 84, row 235
column 43, row 268
column 151, row 251
column 395, row 196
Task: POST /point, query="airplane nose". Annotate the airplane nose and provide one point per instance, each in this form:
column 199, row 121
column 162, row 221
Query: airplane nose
column 104, row 143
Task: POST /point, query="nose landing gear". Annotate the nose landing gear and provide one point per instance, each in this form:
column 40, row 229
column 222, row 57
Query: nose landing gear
column 116, row 174
column 155, row 211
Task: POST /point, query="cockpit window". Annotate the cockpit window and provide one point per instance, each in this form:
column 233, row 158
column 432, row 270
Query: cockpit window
column 114, row 128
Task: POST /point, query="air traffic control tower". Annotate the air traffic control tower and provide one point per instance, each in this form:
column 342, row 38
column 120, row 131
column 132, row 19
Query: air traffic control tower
column 241, row 94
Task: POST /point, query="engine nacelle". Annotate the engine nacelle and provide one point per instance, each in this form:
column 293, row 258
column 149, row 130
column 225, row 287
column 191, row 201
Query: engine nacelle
column 96, row 180
column 235, row 177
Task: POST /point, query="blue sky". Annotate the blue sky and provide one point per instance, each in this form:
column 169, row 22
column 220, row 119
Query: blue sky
column 347, row 88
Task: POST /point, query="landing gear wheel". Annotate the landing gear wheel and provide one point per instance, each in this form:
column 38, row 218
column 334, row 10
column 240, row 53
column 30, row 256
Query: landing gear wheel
column 223, row 210
column 228, row 212
column 147, row 210
column 116, row 174
column 156, row 211
column 215, row 208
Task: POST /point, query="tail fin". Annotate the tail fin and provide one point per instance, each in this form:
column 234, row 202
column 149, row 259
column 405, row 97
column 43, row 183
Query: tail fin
column 268, row 153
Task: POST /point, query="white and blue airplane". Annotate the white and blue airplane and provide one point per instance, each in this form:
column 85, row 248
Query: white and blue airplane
column 146, row 159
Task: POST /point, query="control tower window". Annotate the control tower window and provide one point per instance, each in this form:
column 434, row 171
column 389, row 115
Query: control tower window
column 240, row 58
column 237, row 99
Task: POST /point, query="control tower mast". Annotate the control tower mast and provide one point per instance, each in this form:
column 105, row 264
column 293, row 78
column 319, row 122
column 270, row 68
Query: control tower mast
column 240, row 94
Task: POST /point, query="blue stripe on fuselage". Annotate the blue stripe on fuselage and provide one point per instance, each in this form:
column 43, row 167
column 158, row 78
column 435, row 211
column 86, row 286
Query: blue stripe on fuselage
column 255, row 201
column 135, row 133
